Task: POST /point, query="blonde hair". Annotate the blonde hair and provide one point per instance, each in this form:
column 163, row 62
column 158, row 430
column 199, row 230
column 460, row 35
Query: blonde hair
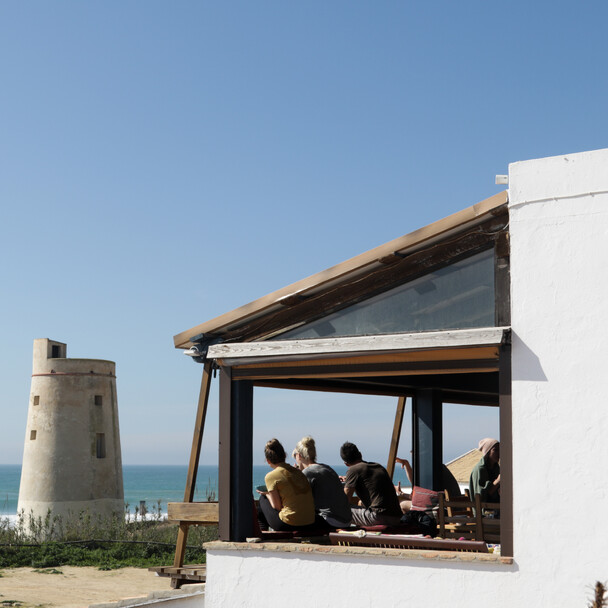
column 306, row 449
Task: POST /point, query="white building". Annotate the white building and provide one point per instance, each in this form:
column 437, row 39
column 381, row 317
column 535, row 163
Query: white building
column 501, row 304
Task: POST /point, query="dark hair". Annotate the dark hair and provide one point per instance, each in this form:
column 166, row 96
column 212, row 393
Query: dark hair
column 350, row 453
column 274, row 452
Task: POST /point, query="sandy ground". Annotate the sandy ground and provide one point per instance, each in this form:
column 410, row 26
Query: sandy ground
column 75, row 587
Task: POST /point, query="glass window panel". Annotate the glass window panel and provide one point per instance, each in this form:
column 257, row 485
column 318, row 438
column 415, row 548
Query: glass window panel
column 457, row 296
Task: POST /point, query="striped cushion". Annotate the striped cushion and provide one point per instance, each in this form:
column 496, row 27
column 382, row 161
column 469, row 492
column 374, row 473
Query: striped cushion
column 424, row 500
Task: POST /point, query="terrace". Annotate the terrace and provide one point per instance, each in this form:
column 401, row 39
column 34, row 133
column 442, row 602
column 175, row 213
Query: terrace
column 424, row 317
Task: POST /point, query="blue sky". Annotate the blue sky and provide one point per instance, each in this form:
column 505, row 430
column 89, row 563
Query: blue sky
column 164, row 162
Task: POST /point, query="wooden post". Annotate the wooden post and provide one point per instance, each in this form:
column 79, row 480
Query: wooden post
column 199, row 427
column 392, row 453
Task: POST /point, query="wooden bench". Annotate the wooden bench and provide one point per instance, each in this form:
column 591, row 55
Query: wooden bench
column 399, row 541
column 196, row 573
column 187, row 514
column 193, row 513
column 462, row 518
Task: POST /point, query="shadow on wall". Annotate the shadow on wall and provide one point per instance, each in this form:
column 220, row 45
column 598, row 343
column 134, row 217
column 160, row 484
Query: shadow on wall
column 528, row 364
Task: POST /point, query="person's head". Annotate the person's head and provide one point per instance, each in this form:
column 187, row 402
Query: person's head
column 350, row 453
column 274, row 452
column 305, row 452
column 490, row 449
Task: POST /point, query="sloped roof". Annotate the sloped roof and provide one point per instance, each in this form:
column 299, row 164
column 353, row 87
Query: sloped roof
column 298, row 301
column 462, row 466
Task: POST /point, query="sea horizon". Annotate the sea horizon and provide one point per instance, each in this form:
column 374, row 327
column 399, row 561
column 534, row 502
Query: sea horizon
column 155, row 485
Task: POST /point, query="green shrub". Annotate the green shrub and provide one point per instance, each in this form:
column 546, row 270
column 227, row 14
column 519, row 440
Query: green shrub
column 86, row 540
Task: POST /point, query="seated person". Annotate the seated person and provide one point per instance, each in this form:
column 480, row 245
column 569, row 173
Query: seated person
column 485, row 476
column 330, row 501
column 287, row 503
column 377, row 502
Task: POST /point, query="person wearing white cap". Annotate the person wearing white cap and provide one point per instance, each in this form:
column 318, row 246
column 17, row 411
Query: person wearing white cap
column 485, row 476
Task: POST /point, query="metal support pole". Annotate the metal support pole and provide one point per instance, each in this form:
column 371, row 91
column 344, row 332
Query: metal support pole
column 428, row 439
column 235, row 458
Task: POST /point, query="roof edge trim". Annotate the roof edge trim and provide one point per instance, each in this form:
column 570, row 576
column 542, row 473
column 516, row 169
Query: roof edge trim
column 242, row 352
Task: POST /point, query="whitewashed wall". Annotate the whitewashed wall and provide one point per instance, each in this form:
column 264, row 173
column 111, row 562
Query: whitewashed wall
column 559, row 285
column 559, row 243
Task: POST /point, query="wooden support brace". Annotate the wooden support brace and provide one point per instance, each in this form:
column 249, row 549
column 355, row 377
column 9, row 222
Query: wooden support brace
column 203, row 399
column 392, row 453
column 180, row 547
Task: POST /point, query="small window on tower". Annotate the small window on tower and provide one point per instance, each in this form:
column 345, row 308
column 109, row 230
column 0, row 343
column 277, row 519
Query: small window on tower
column 98, row 400
column 36, row 399
column 101, row 445
column 55, row 351
column 32, row 435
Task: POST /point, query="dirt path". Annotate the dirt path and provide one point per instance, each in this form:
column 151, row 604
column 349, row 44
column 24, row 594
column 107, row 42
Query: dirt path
column 71, row 587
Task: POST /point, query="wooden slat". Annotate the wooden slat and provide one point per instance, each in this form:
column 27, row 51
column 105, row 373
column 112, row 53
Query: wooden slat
column 396, row 541
column 368, row 370
column 475, row 392
column 193, row 512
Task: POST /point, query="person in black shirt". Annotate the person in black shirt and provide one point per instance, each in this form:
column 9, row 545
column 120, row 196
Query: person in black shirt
column 376, row 501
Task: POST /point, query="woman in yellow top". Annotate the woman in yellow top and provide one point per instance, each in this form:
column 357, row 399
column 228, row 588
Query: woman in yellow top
column 287, row 503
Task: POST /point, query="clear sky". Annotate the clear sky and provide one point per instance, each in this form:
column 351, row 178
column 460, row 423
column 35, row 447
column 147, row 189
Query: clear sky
column 162, row 163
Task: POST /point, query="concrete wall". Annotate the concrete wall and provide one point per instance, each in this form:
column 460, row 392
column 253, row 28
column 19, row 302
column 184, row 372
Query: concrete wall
column 559, row 237
column 72, row 401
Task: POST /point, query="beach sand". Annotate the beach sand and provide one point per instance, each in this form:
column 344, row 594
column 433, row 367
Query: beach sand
column 75, row 587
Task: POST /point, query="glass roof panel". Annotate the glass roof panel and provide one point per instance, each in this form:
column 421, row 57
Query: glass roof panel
column 458, row 296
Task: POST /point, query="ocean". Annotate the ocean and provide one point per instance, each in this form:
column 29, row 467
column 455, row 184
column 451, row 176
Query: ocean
column 155, row 484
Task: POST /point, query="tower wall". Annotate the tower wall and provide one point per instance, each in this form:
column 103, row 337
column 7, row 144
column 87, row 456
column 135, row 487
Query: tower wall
column 71, row 459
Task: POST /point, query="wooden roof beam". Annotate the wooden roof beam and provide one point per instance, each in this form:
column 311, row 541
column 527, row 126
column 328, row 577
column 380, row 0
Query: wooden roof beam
column 276, row 350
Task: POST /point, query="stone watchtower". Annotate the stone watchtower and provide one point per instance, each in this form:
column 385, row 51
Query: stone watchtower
column 71, row 459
